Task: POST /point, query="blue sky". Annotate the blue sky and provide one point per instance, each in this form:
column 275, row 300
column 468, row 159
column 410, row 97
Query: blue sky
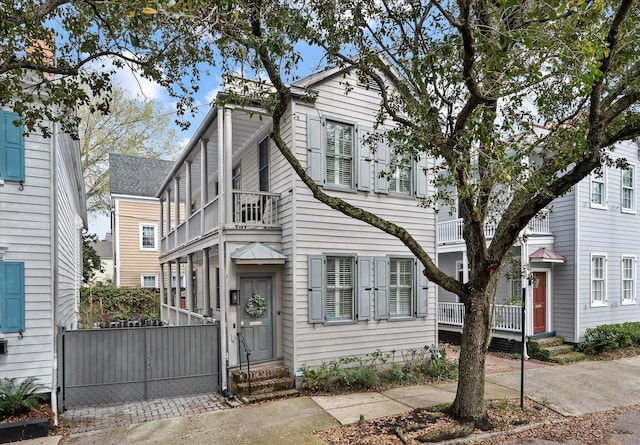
column 312, row 61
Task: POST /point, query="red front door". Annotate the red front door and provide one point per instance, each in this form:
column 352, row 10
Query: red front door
column 540, row 303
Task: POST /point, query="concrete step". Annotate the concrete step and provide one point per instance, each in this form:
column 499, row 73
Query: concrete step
column 264, row 373
column 265, row 386
column 560, row 349
column 571, row 357
column 549, row 341
column 270, row 396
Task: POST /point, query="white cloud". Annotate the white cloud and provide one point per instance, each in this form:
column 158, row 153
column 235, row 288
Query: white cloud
column 132, row 81
column 211, row 95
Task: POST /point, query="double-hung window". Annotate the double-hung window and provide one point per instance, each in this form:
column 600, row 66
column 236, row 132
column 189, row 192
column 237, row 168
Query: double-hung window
column 401, row 284
column 339, row 293
column 598, row 196
column 148, row 237
column 400, row 179
column 339, row 154
column 628, row 189
column 628, row 279
column 598, row 280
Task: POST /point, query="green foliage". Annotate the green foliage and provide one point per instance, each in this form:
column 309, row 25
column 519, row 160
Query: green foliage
column 19, row 397
column 90, row 259
column 134, row 127
column 610, row 336
column 102, row 304
column 355, row 373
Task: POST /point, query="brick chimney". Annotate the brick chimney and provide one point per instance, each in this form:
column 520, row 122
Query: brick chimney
column 42, row 53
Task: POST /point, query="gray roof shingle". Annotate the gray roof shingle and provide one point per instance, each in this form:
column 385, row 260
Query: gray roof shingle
column 131, row 175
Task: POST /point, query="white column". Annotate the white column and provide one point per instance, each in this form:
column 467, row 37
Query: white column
column 206, row 293
column 176, row 207
column 204, row 189
column 465, row 267
column 161, row 228
column 228, row 166
column 161, row 285
column 189, row 278
column 222, row 261
column 178, row 289
column 187, row 198
column 168, row 219
column 221, row 183
column 168, row 283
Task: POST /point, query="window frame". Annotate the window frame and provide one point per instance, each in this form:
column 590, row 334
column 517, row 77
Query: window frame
column 155, row 279
column 236, row 177
column 354, row 154
column 600, row 302
column 632, row 300
column 413, row 288
column 142, row 226
column 394, row 168
column 598, row 178
column 354, row 287
column 632, row 209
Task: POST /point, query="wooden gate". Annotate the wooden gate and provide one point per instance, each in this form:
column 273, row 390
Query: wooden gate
column 102, row 366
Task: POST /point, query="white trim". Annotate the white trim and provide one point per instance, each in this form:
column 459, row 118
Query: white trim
column 604, row 279
column 355, row 152
column 143, row 276
column 134, row 198
column 141, row 227
column 631, row 209
column 633, row 279
column 592, row 176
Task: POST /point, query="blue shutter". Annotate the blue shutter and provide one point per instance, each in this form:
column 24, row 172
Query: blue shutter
column 11, row 147
column 364, row 287
column 381, row 288
column 315, row 149
column 422, row 291
column 422, row 185
column 364, row 163
column 316, row 288
column 11, row 296
column 381, row 165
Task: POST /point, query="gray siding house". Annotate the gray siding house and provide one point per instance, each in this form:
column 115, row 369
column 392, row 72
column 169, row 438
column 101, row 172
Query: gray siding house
column 252, row 235
column 581, row 252
column 42, row 214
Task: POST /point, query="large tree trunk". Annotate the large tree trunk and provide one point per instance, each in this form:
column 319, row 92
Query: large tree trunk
column 469, row 405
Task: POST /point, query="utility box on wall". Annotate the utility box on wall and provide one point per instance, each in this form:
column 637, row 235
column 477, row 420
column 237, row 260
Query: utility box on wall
column 3, row 346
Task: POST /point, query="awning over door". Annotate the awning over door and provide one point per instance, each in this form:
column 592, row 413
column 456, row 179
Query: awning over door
column 257, row 253
column 544, row 255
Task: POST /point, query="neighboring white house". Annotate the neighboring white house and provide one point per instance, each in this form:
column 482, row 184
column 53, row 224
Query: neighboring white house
column 581, row 253
column 252, row 232
column 42, row 214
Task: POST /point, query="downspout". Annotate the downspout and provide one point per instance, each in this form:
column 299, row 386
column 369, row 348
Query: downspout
column 224, row 356
column 54, row 280
column 576, row 242
column 294, row 251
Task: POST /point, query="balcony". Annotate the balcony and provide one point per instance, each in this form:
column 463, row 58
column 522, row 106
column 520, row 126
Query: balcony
column 450, row 232
column 505, row 317
column 250, row 210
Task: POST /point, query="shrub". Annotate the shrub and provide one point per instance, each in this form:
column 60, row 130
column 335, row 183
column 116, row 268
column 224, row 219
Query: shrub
column 98, row 304
column 358, row 373
column 610, row 336
column 17, row 398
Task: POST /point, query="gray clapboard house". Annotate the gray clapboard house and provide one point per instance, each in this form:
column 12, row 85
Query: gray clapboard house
column 299, row 282
column 42, row 214
column 582, row 252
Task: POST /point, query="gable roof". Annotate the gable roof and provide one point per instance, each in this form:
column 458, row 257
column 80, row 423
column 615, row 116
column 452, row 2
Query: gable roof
column 136, row 176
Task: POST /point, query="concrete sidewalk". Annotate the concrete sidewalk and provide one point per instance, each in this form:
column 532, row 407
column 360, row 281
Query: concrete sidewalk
column 571, row 389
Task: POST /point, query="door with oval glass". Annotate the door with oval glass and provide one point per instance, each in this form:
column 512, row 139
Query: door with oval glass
column 256, row 317
column 540, row 303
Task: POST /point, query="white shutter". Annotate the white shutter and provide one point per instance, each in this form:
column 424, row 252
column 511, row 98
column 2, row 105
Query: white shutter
column 381, row 164
column 365, row 158
column 422, row 291
column 422, row 185
column 316, row 288
column 315, row 149
column 365, row 287
column 381, row 289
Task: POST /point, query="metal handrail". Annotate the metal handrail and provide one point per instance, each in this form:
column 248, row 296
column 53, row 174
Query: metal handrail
column 247, row 351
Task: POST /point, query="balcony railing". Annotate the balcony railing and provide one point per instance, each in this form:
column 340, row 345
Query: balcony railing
column 251, row 210
column 505, row 317
column 451, row 231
